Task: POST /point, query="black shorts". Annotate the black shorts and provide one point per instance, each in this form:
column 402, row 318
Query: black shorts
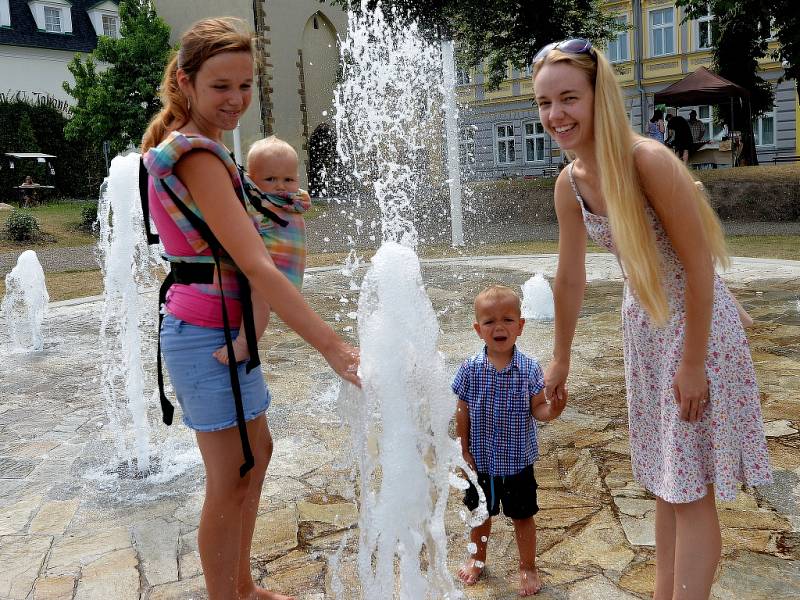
column 517, row 494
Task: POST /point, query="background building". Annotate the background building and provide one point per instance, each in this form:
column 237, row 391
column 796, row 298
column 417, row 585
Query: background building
column 501, row 135
column 39, row 38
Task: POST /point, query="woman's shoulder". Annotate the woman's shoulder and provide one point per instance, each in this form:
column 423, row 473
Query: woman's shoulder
column 161, row 160
column 649, row 152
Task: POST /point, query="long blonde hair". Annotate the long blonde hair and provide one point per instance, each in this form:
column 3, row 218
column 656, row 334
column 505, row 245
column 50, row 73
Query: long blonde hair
column 203, row 40
column 622, row 191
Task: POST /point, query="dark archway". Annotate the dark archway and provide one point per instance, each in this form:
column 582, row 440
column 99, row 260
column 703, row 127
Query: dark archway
column 323, row 172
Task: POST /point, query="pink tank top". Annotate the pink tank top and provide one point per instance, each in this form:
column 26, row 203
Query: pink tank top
column 184, row 301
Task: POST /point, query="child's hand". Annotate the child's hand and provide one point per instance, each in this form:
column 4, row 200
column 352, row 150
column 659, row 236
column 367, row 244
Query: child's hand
column 240, row 351
column 470, row 460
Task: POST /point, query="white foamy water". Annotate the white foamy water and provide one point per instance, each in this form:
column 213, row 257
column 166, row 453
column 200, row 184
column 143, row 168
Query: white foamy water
column 24, row 305
column 388, row 124
column 128, row 263
column 537, row 298
column 399, row 423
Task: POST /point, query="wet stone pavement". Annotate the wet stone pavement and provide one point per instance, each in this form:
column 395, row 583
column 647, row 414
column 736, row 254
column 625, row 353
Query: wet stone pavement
column 75, row 524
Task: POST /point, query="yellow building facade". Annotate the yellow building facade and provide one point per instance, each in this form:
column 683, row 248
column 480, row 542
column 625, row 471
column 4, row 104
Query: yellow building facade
column 501, row 135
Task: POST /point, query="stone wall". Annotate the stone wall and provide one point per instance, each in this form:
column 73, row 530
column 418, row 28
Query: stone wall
column 531, row 201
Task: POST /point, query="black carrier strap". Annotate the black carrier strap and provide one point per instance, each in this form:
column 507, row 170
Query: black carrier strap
column 204, row 273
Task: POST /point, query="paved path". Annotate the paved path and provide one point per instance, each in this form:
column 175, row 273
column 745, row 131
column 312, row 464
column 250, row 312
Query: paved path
column 75, row 524
column 332, row 233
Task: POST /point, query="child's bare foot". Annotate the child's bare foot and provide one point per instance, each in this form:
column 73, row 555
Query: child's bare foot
column 471, row 571
column 258, row 593
column 529, row 582
column 239, row 351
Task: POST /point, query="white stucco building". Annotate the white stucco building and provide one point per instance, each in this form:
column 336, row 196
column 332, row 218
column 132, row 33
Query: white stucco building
column 38, row 39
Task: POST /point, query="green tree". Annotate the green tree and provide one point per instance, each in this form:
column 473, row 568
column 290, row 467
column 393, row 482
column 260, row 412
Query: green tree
column 500, row 31
column 116, row 87
column 741, row 31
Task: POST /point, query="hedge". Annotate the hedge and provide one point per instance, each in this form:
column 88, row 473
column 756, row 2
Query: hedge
column 37, row 125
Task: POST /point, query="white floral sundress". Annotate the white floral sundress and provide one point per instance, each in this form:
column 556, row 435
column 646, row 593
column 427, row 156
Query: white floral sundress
column 671, row 458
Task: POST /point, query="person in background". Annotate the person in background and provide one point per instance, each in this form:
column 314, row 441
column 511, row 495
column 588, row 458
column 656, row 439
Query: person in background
column 698, row 129
column 655, row 128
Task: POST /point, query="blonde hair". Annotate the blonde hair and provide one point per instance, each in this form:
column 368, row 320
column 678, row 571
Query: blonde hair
column 205, row 39
column 270, row 146
column 495, row 293
column 622, row 191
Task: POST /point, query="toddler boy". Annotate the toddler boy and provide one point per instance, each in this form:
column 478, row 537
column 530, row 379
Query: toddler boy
column 500, row 393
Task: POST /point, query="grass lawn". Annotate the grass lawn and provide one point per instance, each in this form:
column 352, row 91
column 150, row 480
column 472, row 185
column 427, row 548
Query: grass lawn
column 76, row 284
column 58, row 222
column 783, row 173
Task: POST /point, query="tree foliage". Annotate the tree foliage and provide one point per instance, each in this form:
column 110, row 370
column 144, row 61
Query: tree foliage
column 37, row 124
column 741, row 32
column 116, row 87
column 499, row 31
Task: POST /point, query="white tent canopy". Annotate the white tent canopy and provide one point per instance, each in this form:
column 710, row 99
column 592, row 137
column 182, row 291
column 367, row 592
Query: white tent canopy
column 29, row 155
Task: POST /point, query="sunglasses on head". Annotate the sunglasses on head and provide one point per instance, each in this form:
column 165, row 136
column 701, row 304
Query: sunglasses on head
column 571, row 46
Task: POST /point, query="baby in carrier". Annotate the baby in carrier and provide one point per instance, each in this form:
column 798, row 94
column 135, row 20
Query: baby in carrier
column 273, row 165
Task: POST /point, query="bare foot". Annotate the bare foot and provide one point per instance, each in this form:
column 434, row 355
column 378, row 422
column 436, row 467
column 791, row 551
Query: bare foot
column 257, row 593
column 471, row 571
column 239, row 351
column 529, row 582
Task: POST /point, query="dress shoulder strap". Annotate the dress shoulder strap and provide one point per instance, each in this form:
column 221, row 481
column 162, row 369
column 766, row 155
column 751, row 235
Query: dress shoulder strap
column 572, row 182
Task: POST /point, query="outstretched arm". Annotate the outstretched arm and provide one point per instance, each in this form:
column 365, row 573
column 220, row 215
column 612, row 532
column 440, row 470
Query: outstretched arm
column 209, row 184
column 568, row 286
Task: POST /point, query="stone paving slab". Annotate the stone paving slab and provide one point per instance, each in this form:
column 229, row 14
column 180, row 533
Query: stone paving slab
column 73, row 525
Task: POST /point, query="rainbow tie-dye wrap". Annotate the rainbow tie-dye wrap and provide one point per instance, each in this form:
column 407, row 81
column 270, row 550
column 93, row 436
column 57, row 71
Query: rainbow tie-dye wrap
column 285, row 243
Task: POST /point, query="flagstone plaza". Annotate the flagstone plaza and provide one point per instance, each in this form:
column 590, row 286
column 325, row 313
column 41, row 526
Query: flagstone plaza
column 73, row 524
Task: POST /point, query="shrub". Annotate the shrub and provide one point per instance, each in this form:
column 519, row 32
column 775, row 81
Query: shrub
column 88, row 216
column 21, row 226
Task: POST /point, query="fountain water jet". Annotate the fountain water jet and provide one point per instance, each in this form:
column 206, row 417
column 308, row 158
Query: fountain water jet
column 537, row 299
column 128, row 267
column 388, row 122
column 24, row 305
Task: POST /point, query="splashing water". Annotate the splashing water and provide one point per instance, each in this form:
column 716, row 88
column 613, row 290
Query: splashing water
column 387, row 113
column 537, row 298
column 128, row 266
column 24, row 305
column 399, row 427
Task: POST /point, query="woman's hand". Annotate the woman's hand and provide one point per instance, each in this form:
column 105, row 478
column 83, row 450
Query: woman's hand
column 690, row 387
column 555, row 383
column 344, row 359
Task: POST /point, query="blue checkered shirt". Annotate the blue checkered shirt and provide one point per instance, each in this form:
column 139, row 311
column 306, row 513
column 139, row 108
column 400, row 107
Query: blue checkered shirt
column 502, row 430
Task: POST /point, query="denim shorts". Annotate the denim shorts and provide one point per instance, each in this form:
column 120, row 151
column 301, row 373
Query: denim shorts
column 202, row 384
